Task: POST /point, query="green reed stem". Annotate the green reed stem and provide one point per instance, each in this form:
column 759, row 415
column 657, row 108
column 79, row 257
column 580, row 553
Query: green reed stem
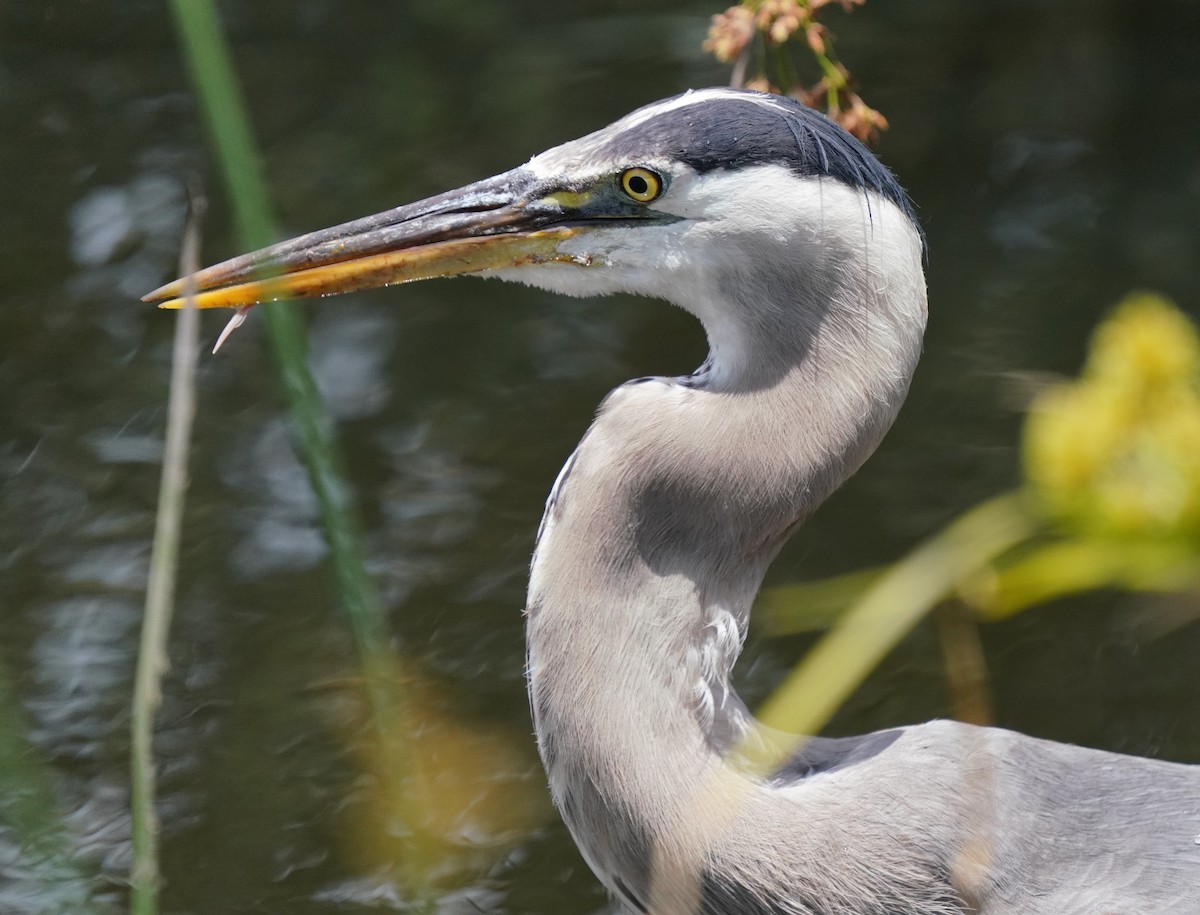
column 152, row 660
column 220, row 97
column 216, row 86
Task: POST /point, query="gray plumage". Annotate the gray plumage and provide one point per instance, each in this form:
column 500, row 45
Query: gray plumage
column 801, row 256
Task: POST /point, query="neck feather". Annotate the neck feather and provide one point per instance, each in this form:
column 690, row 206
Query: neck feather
column 656, row 539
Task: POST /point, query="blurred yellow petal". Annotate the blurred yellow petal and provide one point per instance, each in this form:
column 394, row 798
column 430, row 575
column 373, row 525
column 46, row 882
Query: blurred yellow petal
column 1119, row 449
column 439, row 799
column 1146, row 343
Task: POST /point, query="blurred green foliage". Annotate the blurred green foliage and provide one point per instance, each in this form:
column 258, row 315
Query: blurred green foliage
column 30, row 817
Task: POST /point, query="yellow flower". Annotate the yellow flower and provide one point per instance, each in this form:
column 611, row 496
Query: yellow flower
column 1146, row 343
column 1118, row 451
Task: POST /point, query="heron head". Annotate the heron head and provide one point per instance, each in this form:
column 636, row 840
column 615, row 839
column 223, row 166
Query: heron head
column 700, row 199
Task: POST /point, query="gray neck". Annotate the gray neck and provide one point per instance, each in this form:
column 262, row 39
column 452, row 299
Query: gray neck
column 656, row 540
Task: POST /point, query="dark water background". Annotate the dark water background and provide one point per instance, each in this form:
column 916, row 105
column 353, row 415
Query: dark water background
column 1051, row 146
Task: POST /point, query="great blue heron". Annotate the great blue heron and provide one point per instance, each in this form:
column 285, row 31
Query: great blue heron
column 801, row 256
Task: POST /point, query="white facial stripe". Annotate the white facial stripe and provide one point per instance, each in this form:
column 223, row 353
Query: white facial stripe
column 691, row 97
column 549, row 163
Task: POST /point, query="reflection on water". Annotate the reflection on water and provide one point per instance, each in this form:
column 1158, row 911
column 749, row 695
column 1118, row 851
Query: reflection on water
column 349, row 355
column 1049, row 182
column 282, row 530
column 1047, row 197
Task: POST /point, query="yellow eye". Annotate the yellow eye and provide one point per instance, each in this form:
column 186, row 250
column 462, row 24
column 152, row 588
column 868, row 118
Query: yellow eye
column 641, row 184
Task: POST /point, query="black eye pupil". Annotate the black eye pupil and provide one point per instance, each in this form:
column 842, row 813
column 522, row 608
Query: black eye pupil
column 638, row 184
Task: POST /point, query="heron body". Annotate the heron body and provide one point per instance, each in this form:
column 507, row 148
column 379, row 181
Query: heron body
column 801, row 256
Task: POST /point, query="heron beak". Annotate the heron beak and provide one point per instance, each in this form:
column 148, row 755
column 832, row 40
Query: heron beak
column 495, row 223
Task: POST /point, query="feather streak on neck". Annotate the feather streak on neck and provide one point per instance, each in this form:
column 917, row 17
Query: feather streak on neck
column 657, row 537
